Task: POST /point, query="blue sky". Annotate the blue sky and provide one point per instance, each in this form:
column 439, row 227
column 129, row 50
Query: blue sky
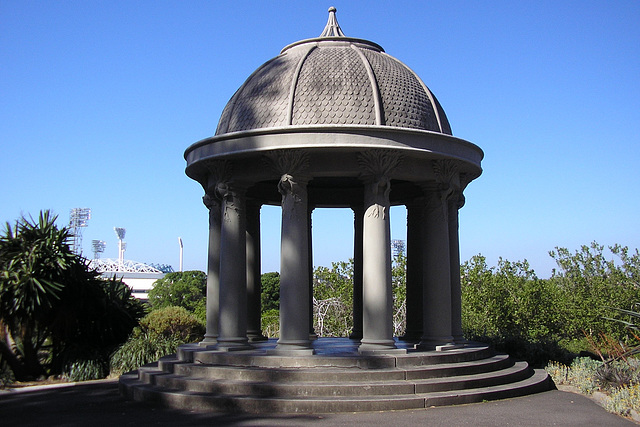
column 99, row 100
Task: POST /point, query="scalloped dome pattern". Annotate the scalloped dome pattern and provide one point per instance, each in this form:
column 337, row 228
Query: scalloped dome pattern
column 343, row 99
column 333, row 81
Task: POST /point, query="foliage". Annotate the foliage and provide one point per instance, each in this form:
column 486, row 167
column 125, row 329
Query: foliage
column 634, row 330
column 85, row 370
column 173, row 322
column 34, row 260
column 399, row 290
column 507, row 302
column 159, row 334
column 186, row 289
column 581, row 374
column 270, row 296
column 620, row 379
column 333, row 299
column 53, row 309
column 622, row 400
column 590, row 283
column 271, row 323
column 141, row 348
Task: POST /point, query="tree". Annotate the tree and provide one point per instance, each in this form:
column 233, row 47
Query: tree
column 48, row 295
column 186, row 289
column 333, row 299
column 508, row 302
column 34, row 260
column 399, row 290
column 591, row 284
column 270, row 296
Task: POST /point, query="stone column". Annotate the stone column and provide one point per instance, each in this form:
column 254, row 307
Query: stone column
column 213, row 269
column 455, row 203
column 358, row 219
column 254, row 284
column 436, row 329
column 377, row 316
column 294, row 268
column 312, row 332
column 233, row 269
column 413, row 330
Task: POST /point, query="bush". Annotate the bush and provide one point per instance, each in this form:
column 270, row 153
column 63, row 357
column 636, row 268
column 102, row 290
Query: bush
column 52, row 305
column 623, row 399
column 186, row 289
column 85, row 370
column 6, row 375
column 507, row 302
column 270, row 291
column 271, row 323
column 142, row 348
column 333, row 300
column 588, row 284
column 160, row 333
column 173, row 322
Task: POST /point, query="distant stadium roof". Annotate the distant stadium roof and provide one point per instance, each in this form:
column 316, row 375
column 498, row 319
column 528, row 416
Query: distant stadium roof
column 125, row 266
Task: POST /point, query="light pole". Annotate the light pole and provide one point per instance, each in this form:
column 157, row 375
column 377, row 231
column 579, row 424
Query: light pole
column 120, row 232
column 181, row 251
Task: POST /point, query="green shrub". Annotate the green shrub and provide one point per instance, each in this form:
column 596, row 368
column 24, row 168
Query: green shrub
column 85, row 370
column 160, row 333
column 589, row 282
column 271, row 323
column 270, row 291
column 623, row 399
column 142, row 348
column 173, row 322
column 187, row 289
column 6, row 375
column 583, row 374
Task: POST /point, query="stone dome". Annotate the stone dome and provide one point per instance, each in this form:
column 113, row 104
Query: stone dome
column 333, row 80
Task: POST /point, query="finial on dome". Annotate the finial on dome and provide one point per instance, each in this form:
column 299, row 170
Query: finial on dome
column 332, row 29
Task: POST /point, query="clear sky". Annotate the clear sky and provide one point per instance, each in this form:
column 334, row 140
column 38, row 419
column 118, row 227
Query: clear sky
column 99, row 100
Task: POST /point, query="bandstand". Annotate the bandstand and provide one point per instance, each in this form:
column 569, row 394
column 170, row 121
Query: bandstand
column 336, row 122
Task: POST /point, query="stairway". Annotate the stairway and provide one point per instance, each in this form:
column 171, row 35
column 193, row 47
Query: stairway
column 335, row 379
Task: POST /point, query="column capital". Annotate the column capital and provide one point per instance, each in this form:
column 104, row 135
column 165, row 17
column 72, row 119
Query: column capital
column 289, row 162
column 377, row 165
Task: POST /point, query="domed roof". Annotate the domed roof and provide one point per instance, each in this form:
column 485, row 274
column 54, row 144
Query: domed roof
column 333, row 80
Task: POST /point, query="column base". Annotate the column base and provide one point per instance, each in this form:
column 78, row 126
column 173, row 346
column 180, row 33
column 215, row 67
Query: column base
column 256, row 337
column 355, row 335
column 379, row 347
column 412, row 336
column 292, row 348
column 233, row 344
column 437, row 344
column 209, row 340
column 460, row 340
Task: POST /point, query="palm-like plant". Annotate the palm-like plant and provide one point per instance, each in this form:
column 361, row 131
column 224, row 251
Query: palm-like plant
column 48, row 294
column 34, row 256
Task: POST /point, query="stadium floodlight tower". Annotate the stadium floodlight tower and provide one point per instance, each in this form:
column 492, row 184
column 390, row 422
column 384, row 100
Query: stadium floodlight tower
column 398, row 246
column 122, row 246
column 78, row 219
column 98, row 247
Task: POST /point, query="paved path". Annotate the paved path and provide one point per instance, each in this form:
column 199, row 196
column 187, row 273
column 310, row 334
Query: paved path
column 99, row 404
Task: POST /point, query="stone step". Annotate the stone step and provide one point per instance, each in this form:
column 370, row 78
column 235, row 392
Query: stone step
column 514, row 373
column 323, row 373
column 341, row 380
column 493, row 363
column 250, row 358
column 190, row 400
column 538, row 382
